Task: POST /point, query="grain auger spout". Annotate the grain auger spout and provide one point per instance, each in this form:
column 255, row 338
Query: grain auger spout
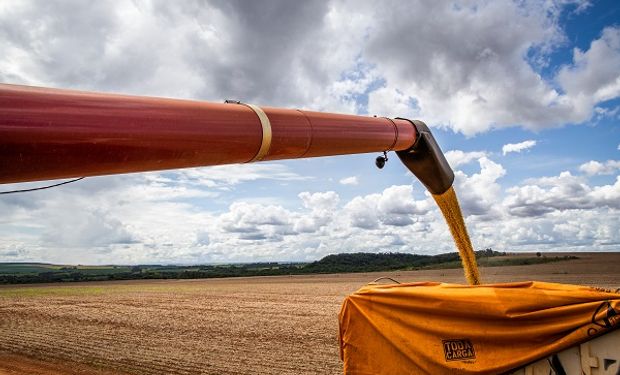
column 427, row 162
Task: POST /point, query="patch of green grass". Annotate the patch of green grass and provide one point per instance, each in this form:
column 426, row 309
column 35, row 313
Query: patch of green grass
column 81, row 290
column 51, row 291
column 36, row 268
column 25, row 268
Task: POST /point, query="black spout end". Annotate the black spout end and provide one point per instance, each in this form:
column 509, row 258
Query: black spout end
column 426, row 161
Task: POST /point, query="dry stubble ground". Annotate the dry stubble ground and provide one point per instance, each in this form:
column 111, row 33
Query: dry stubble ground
column 267, row 325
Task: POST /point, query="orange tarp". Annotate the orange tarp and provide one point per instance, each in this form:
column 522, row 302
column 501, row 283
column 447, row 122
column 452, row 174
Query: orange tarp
column 436, row 328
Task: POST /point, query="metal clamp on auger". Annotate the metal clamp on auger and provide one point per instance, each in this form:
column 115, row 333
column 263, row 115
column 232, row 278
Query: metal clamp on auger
column 266, row 126
column 381, row 160
column 426, row 160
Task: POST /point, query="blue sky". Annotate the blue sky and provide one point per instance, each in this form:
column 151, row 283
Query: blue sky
column 524, row 97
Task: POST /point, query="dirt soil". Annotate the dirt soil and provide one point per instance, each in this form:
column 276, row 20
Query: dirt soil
column 12, row 364
column 263, row 325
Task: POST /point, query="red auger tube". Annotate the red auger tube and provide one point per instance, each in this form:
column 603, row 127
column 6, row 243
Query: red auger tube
column 50, row 133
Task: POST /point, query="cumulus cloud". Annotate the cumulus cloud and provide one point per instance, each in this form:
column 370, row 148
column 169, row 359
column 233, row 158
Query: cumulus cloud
column 138, row 217
column 256, row 222
column 389, row 101
column 320, row 227
column 125, row 222
column 456, row 158
column 564, row 192
column 594, row 167
column 606, row 112
column 394, row 206
column 320, row 202
column 13, row 251
column 518, row 147
column 213, row 50
column 480, row 192
column 202, row 238
column 607, row 195
column 349, row 180
column 322, row 206
column 594, row 76
column 230, row 175
column 487, row 82
column 89, row 229
column 105, row 46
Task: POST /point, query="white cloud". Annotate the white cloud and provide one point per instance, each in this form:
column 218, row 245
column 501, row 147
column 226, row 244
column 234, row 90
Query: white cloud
column 488, row 81
column 213, row 50
column 607, row 195
column 13, row 251
column 456, row 158
column 123, row 220
column 229, row 175
column 362, row 212
column 138, row 217
column 322, row 206
column 398, row 200
column 607, row 112
column 391, row 102
column 395, row 206
column 518, row 147
column 594, row 167
column 326, row 201
column 595, row 74
column 349, row 180
column 564, row 192
column 256, row 222
column 479, row 193
column 89, row 229
column 117, row 46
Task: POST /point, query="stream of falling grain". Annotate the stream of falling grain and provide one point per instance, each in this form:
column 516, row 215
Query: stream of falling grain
column 449, row 205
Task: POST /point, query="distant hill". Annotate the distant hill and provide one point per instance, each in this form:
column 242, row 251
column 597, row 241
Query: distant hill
column 369, row 262
column 25, row 268
column 22, row 273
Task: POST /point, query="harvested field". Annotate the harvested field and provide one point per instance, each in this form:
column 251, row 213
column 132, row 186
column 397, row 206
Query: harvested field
column 267, row 325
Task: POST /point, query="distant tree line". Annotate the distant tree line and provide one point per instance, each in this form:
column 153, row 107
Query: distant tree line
column 338, row 263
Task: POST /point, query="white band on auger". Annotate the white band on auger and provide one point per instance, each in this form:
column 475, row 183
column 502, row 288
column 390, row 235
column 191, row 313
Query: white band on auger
column 266, row 125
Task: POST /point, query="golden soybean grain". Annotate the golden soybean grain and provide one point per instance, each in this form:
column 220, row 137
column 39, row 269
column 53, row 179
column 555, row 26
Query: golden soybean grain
column 449, row 205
